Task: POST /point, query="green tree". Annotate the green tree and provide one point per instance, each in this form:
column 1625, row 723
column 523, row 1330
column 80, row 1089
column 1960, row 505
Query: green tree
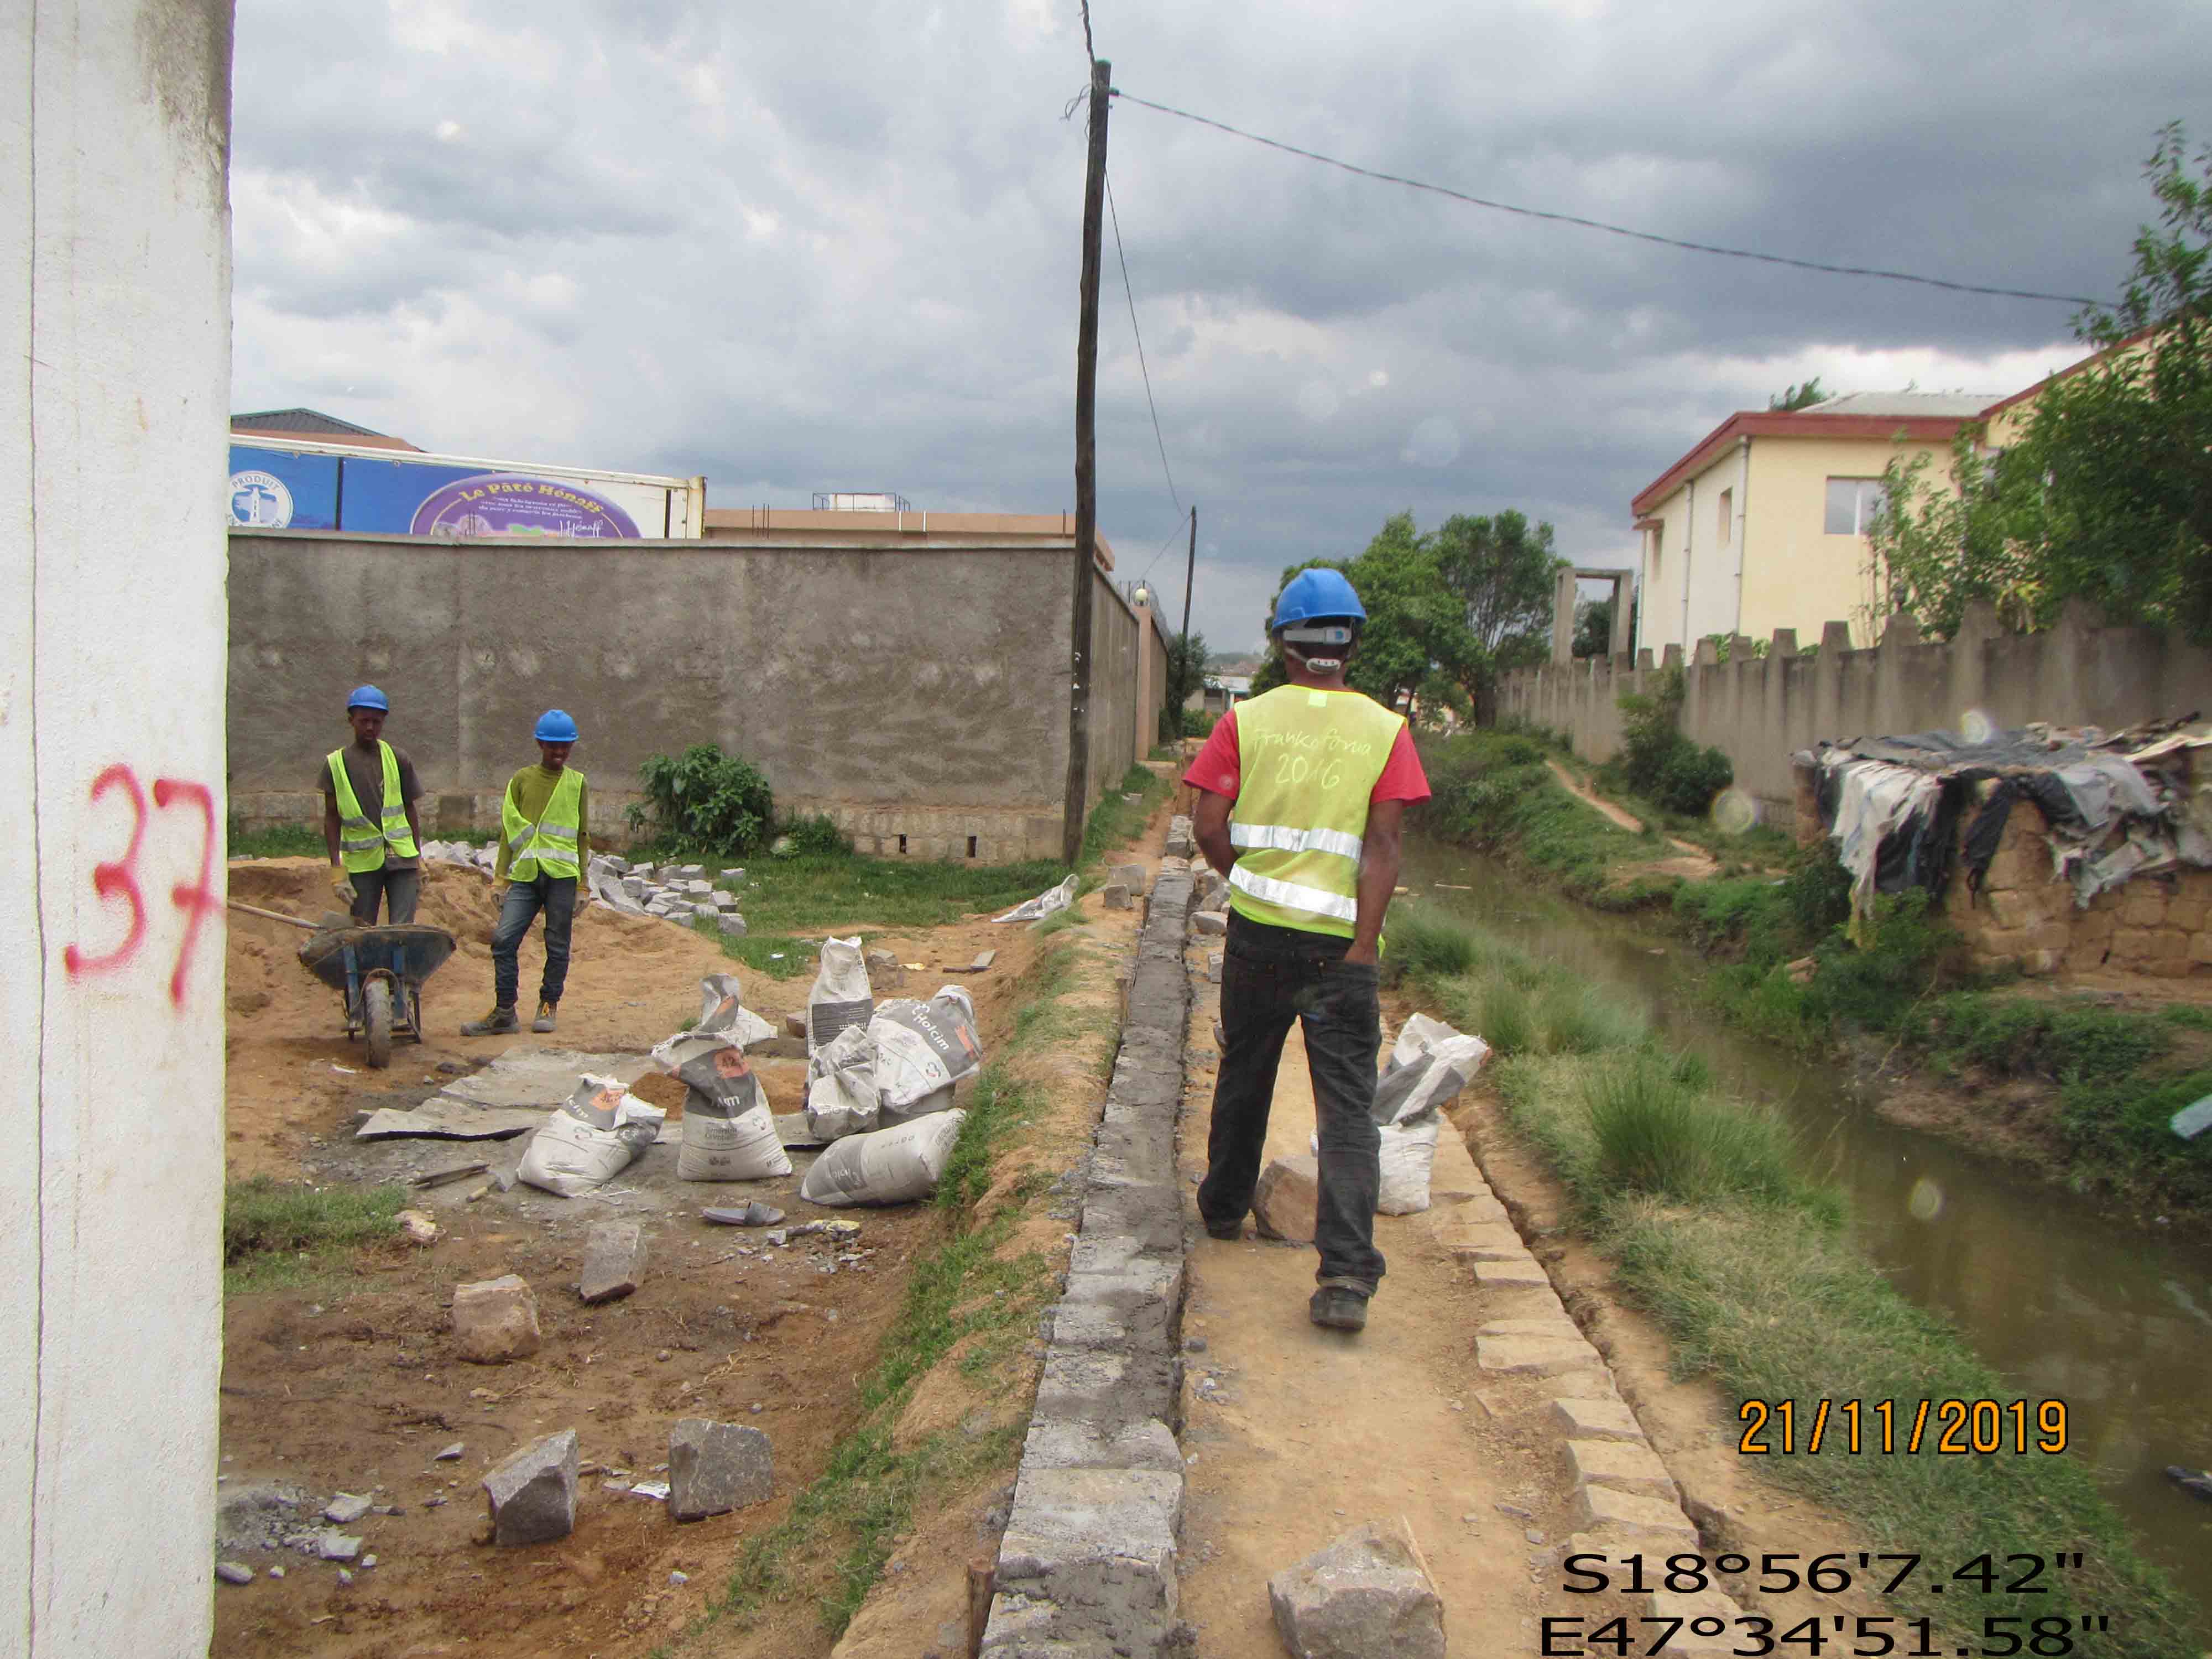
column 2108, row 496
column 1503, row 570
column 1186, row 665
column 1794, row 397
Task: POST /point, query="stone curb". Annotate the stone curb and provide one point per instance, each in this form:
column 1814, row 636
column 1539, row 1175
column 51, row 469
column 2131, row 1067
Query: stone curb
column 1087, row 1564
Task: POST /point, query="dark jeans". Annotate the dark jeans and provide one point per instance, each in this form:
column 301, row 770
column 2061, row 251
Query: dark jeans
column 1270, row 976
column 400, row 889
column 556, row 896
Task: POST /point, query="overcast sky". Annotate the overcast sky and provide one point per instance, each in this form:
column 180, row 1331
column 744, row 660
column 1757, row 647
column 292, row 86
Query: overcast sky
column 836, row 247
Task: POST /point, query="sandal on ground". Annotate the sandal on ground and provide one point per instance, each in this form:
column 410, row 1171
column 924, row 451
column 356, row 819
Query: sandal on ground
column 754, row 1214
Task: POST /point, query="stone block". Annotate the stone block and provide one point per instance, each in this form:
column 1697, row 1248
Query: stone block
column 1100, row 1545
column 1601, row 1511
column 614, row 1261
column 533, row 1493
column 1703, row 1604
column 714, row 1468
column 1534, row 1355
column 885, row 972
column 1213, row 969
column 2188, row 915
column 2168, row 945
column 1076, row 1443
column 346, row 1508
column 1114, row 896
column 1366, row 1594
column 2141, row 906
column 2200, row 948
column 1289, row 1194
column 732, row 925
column 1526, row 1274
column 1621, row 1465
column 1596, row 1420
column 1130, row 876
column 1209, row 921
column 495, row 1320
column 1477, row 1241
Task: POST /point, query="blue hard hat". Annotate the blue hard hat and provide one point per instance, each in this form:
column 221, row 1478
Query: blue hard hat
column 1313, row 594
column 367, row 697
column 556, row 726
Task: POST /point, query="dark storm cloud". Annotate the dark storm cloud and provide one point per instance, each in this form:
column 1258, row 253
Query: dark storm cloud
column 836, row 246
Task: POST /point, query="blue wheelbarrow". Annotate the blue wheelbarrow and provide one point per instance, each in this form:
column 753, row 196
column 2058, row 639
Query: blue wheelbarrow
column 379, row 970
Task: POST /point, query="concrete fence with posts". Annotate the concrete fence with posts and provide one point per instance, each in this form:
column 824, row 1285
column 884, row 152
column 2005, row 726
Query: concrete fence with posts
column 1758, row 709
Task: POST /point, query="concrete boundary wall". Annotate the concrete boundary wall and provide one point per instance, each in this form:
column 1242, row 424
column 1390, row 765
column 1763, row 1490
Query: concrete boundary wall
column 917, row 697
column 1758, row 710
column 1087, row 1564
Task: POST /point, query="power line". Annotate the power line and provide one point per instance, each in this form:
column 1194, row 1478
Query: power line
column 1158, row 437
column 1611, row 230
column 1165, row 545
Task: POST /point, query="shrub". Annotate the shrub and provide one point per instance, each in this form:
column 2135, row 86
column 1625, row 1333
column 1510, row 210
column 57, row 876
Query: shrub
column 1650, row 729
column 1198, row 723
column 704, row 798
column 817, row 835
column 1690, row 777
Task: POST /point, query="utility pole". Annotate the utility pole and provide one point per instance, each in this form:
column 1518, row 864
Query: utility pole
column 1086, row 477
column 1189, row 569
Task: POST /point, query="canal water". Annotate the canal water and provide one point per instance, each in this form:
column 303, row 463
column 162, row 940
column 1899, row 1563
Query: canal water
column 2067, row 1303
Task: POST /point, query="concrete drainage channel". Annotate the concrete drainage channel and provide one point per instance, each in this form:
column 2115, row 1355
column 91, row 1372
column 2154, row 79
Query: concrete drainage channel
column 1087, row 1564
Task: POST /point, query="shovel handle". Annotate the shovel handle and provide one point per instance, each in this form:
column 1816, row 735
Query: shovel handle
column 273, row 916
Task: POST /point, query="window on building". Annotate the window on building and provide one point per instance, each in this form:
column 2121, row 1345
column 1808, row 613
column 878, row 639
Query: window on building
column 1852, row 503
column 1651, row 548
column 1725, row 532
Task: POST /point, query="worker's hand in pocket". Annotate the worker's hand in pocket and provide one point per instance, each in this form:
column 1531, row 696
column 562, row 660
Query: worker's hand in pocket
column 341, row 884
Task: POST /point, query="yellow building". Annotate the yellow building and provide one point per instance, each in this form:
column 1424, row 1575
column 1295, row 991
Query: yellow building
column 1763, row 525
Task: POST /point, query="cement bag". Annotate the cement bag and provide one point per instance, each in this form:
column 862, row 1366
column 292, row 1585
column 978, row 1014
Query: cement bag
column 1037, row 909
column 1429, row 1064
column 941, row 1101
column 924, row 1048
column 840, row 1085
column 891, row 1166
column 722, row 1012
column 1409, row 1154
column 592, row 1138
column 720, row 1144
column 840, row 997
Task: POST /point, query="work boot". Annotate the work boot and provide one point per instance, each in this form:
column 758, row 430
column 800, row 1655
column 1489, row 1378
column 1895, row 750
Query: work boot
column 1339, row 1306
column 1228, row 1229
column 544, row 1020
column 499, row 1021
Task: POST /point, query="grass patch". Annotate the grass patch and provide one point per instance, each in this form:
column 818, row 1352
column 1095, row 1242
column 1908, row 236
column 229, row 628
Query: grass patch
column 1114, row 821
column 275, row 840
column 1719, row 1228
column 277, row 1235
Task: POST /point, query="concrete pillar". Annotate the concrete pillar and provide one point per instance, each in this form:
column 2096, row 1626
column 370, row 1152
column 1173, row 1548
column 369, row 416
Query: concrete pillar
column 1624, row 601
column 113, row 426
column 1563, row 617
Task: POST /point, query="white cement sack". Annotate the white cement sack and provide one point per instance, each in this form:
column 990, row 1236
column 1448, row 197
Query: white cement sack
column 590, row 1139
column 1429, row 1064
column 721, row 1145
column 722, row 1012
column 891, row 1166
column 939, row 1102
column 840, row 1085
column 923, row 1047
column 1407, row 1156
column 840, row 997
column 1037, row 909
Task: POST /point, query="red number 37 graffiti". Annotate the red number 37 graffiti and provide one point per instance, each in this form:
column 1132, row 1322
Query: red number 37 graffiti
column 118, row 877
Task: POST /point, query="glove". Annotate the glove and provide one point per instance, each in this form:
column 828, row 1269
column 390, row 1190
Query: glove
column 341, row 884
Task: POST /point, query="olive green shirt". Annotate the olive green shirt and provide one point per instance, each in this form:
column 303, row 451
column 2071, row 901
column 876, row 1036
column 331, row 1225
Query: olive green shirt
column 531, row 790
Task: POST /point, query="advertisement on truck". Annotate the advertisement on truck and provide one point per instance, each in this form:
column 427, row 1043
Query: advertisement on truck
column 278, row 483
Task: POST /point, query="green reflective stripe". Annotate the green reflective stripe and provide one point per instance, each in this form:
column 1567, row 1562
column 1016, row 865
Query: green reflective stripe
column 1294, row 896
column 1286, row 838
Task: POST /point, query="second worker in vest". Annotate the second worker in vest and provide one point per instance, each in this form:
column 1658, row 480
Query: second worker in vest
column 1303, row 791
column 368, row 817
column 543, row 842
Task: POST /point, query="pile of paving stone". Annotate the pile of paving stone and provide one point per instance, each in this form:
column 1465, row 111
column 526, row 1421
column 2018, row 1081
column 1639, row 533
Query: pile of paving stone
column 676, row 892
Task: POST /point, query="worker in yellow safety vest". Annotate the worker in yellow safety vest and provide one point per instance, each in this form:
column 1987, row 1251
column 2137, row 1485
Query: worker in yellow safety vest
column 544, row 841
column 368, row 817
column 1302, row 790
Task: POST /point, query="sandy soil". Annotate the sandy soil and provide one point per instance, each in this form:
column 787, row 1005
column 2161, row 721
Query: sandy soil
column 351, row 1384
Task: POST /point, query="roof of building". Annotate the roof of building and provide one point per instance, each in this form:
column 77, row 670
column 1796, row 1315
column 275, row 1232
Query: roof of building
column 1938, row 403
column 914, row 526
column 1826, row 420
column 314, row 425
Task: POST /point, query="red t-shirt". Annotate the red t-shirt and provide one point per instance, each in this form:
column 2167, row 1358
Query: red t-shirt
column 1217, row 770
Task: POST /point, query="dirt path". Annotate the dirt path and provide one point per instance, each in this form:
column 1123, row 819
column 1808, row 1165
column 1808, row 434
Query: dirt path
column 1694, row 864
column 1295, row 1435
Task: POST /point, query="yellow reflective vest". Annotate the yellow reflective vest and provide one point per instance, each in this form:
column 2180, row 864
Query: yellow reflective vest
column 1307, row 762
column 549, row 846
column 360, row 843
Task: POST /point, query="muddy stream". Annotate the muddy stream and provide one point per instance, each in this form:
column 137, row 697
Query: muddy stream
column 2065, row 1302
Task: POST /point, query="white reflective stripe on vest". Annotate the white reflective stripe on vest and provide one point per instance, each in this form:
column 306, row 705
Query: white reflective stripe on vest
column 1295, row 895
column 1285, row 838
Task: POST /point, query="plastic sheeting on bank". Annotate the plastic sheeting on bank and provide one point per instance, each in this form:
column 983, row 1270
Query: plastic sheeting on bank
column 2117, row 806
